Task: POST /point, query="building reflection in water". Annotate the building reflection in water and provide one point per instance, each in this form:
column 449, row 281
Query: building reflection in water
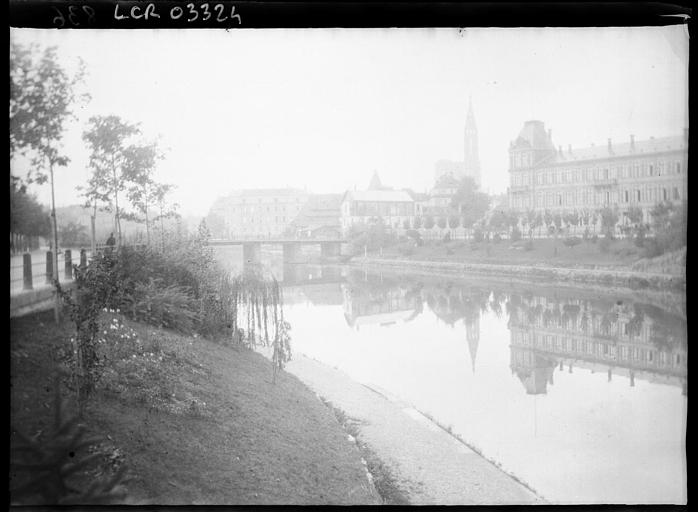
column 548, row 331
column 637, row 341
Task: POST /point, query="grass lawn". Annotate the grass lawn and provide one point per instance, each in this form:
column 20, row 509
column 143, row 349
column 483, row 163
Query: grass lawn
column 193, row 421
column 620, row 254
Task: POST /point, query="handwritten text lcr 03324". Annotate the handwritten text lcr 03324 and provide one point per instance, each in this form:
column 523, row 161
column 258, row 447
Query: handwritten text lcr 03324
column 191, row 12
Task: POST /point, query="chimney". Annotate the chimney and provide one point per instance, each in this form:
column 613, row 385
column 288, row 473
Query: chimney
column 610, row 147
column 632, row 142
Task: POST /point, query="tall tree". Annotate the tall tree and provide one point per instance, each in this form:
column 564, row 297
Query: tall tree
column 107, row 137
column 97, row 196
column 139, row 167
column 42, row 95
column 166, row 211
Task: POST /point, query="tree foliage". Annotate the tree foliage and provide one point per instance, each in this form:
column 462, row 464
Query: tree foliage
column 27, row 216
column 470, row 203
column 42, row 96
column 106, row 137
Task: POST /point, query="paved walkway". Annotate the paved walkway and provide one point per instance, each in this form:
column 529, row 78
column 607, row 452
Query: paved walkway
column 431, row 466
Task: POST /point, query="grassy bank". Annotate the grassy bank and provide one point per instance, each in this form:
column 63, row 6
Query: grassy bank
column 617, row 265
column 192, row 421
column 619, row 254
column 605, row 279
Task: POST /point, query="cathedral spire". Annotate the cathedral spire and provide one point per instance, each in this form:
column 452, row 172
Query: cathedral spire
column 472, row 158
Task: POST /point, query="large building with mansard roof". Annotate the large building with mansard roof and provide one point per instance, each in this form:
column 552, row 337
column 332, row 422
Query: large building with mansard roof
column 627, row 174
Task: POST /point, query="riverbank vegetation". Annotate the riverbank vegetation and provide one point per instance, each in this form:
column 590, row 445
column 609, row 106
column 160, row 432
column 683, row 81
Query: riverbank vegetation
column 180, row 419
column 153, row 352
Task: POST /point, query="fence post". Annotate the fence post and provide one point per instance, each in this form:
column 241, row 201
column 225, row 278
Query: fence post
column 68, row 265
column 27, row 271
column 49, row 267
column 83, row 258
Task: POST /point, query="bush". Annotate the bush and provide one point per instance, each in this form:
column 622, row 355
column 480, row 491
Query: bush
column 45, row 470
column 528, row 246
column 163, row 306
column 497, row 238
column 605, row 243
column 478, row 236
column 447, row 237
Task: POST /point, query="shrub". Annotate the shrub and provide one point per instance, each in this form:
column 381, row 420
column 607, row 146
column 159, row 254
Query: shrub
column 528, row 246
column 163, row 306
column 605, row 243
column 478, row 236
column 497, row 238
column 45, row 469
column 447, row 237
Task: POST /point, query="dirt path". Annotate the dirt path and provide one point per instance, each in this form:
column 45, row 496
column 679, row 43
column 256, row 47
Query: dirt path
column 431, row 466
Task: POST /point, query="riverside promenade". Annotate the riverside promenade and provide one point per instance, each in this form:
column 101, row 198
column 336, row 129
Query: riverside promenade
column 430, row 466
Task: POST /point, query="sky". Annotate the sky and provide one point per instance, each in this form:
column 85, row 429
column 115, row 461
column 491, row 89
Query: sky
column 322, row 109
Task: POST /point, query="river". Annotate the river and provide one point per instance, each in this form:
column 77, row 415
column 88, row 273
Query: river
column 580, row 395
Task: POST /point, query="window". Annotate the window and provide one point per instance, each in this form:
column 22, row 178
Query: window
column 605, row 174
column 651, row 170
column 664, row 194
column 676, row 193
column 638, row 195
column 627, row 199
column 678, row 168
column 608, row 197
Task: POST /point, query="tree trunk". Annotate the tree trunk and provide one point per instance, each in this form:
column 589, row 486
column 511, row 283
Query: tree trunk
column 147, row 224
column 116, row 202
column 54, row 226
column 93, row 233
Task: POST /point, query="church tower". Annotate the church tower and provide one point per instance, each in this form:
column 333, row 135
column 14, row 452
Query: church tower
column 472, row 157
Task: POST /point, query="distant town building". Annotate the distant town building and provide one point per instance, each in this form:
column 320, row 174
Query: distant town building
column 631, row 174
column 441, row 196
column 319, row 217
column 377, row 203
column 470, row 166
column 259, row 212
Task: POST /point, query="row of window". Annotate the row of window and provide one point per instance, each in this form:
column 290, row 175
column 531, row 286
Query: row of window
column 607, row 350
column 256, row 220
column 270, row 200
column 380, row 208
column 592, row 197
column 262, row 209
column 586, row 175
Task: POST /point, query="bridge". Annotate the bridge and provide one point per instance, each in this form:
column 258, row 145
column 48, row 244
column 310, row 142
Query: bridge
column 252, row 247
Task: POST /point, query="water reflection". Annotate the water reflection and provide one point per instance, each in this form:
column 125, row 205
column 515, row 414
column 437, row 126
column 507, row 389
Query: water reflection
column 640, row 341
column 577, row 393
